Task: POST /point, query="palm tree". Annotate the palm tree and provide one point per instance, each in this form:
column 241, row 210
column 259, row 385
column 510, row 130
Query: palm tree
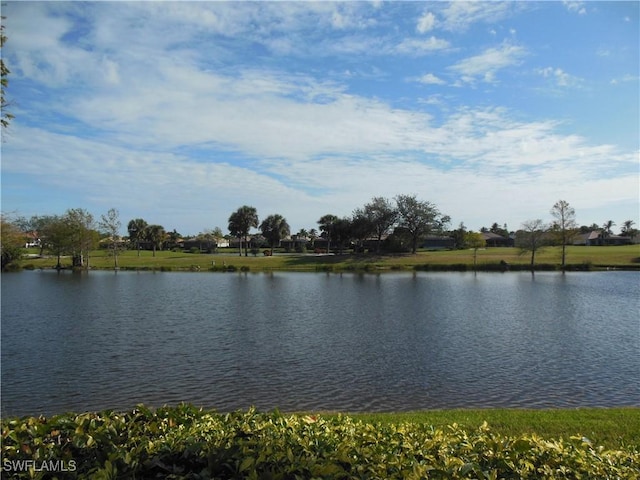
column 607, row 230
column 275, row 228
column 313, row 234
column 327, row 226
column 240, row 222
column 155, row 234
column 627, row 229
column 137, row 231
column 607, row 227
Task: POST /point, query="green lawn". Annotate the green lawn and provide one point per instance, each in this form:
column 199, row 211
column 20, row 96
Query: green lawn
column 610, row 427
column 627, row 256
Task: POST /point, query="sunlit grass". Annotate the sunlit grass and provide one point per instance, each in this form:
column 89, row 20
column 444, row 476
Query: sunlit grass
column 627, row 256
column 610, row 427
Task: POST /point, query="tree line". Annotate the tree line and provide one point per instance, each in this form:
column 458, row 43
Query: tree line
column 397, row 224
column 405, row 215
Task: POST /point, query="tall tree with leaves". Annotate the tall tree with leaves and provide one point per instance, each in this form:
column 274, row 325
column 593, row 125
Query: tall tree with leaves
column 564, row 227
column 474, row 241
column 56, row 236
column 327, row 223
column 607, row 228
column 155, row 234
column 343, row 233
column 628, row 230
column 137, row 232
column 313, row 234
column 11, row 241
column 83, row 236
column 531, row 238
column 383, row 215
column 418, row 218
column 240, row 223
column 110, row 225
column 274, row 228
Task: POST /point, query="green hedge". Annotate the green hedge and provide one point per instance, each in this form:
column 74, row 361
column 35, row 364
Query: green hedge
column 186, row 442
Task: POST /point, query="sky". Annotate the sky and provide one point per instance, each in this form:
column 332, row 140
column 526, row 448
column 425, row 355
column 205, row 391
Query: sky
column 181, row 112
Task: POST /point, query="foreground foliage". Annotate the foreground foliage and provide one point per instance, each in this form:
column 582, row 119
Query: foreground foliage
column 185, row 442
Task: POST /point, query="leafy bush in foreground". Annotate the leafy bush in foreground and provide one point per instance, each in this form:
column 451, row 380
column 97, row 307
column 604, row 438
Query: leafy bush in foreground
column 185, row 442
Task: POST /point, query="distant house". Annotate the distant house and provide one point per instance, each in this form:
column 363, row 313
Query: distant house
column 494, row 240
column 589, row 238
column 597, row 237
column 438, row 242
column 32, row 239
column 255, row 241
column 294, row 242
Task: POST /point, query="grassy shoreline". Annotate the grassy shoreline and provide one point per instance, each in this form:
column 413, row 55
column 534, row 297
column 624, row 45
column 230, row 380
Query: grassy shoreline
column 186, row 442
column 491, row 259
column 609, row 427
column 617, row 427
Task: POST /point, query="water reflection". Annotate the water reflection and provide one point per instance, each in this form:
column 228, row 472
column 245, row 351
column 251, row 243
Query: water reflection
column 319, row 341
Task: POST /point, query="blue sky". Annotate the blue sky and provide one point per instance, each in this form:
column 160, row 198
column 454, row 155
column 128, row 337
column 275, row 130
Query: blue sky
column 181, row 112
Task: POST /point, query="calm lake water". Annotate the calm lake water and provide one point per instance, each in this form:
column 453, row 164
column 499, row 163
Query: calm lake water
column 310, row 341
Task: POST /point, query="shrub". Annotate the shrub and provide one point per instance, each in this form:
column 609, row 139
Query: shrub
column 185, row 442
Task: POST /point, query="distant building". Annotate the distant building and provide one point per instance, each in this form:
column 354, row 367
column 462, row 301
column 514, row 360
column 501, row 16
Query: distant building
column 438, row 242
column 597, row 237
column 494, row 240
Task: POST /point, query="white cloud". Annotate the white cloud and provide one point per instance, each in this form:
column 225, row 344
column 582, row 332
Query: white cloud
column 624, row 79
column 559, row 76
column 486, row 64
column 418, row 47
column 575, row 7
column 426, row 22
column 431, row 79
column 460, row 15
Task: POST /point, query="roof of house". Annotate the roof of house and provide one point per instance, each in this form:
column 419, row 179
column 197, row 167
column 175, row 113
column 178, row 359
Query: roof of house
column 492, row 236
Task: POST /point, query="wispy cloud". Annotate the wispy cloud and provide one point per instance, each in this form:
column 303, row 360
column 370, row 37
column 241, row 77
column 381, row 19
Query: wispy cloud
column 460, row 15
column 575, row 7
column 625, row 79
column 485, row 65
column 559, row 77
column 418, row 46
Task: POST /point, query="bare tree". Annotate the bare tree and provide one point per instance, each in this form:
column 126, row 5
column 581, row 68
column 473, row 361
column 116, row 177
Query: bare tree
column 110, row 225
column 564, row 227
column 531, row 238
